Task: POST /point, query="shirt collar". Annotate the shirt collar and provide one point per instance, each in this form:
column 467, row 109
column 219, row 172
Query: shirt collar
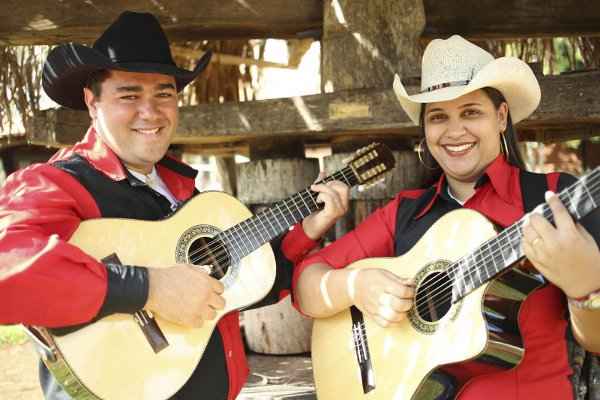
column 499, row 173
column 97, row 153
column 177, row 176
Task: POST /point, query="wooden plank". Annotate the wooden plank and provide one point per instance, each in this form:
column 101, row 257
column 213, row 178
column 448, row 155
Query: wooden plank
column 8, row 141
column 226, row 59
column 501, row 19
column 50, row 22
column 569, row 101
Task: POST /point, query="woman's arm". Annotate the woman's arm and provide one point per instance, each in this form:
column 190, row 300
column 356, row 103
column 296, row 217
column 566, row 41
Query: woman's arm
column 568, row 256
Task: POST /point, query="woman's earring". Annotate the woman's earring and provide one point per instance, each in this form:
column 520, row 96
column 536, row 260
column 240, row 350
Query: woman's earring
column 504, row 146
column 422, row 149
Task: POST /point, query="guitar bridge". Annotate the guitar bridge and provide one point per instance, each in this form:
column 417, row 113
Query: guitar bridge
column 361, row 347
column 151, row 330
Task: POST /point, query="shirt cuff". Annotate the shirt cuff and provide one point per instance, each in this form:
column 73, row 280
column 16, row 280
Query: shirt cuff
column 296, row 244
column 127, row 289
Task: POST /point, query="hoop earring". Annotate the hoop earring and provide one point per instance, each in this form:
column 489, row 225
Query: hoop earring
column 420, row 150
column 504, row 146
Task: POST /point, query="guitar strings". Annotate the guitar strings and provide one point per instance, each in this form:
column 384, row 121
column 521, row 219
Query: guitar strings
column 204, row 253
column 510, row 230
column 546, row 212
column 472, row 269
column 259, row 217
column 338, row 175
column 236, row 229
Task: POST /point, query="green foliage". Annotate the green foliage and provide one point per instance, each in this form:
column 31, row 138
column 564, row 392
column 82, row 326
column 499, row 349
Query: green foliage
column 11, row 335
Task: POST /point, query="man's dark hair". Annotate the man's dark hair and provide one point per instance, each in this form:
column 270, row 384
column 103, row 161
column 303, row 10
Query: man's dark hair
column 94, row 81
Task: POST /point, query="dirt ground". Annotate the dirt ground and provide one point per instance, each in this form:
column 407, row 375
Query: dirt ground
column 18, row 373
column 273, row 377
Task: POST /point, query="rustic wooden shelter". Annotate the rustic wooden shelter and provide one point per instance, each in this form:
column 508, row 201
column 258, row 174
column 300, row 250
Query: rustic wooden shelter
column 363, row 43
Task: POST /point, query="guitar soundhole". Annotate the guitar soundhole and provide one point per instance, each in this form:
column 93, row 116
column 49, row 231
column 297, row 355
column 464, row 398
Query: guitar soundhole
column 433, row 297
column 212, row 253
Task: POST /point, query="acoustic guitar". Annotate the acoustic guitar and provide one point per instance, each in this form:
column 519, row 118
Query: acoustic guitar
column 466, row 306
column 141, row 356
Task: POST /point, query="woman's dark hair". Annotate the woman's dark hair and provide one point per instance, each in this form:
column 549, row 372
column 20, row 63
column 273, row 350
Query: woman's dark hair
column 510, row 134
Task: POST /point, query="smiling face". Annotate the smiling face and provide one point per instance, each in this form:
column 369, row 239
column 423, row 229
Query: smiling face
column 136, row 116
column 463, row 135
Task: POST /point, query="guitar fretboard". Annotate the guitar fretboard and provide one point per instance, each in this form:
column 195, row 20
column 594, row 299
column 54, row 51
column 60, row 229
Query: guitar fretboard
column 502, row 251
column 249, row 235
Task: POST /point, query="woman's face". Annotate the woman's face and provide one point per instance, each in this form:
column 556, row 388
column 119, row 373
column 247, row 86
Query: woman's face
column 463, row 134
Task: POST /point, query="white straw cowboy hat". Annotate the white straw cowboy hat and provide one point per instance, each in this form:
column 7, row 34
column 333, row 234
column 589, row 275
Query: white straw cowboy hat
column 455, row 66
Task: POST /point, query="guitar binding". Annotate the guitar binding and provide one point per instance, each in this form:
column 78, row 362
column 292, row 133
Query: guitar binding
column 202, row 245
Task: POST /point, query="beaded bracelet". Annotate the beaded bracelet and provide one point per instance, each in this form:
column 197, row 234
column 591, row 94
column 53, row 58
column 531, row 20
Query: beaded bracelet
column 589, row 302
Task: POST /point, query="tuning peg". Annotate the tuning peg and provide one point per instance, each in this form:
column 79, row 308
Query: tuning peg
column 365, row 149
column 371, row 184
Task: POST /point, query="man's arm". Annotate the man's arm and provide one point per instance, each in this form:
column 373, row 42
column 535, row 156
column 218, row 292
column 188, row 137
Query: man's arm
column 46, row 281
column 43, row 279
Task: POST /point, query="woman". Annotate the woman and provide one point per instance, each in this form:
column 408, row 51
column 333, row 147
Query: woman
column 466, row 107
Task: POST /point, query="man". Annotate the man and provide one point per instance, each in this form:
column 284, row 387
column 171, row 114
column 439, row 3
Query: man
column 128, row 82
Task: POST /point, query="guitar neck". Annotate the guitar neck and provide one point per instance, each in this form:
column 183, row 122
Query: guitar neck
column 498, row 254
column 247, row 236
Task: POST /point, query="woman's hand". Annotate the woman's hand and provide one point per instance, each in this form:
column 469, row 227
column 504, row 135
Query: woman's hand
column 381, row 295
column 567, row 254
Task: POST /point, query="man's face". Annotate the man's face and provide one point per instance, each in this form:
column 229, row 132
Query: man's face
column 136, row 116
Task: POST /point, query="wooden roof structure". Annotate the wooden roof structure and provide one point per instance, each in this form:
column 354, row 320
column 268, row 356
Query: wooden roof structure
column 570, row 105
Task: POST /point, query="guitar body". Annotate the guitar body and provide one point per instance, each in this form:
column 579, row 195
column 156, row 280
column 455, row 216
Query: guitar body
column 111, row 357
column 139, row 356
column 403, row 355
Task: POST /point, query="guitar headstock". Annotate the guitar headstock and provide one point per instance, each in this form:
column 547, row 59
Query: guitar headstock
column 371, row 162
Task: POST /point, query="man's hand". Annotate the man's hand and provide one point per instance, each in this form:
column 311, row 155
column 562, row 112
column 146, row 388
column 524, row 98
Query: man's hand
column 184, row 294
column 335, row 196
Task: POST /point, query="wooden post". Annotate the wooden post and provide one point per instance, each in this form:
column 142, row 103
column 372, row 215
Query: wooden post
column 365, row 42
column 279, row 328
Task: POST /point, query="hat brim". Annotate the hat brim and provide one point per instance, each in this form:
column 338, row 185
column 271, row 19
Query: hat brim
column 68, row 67
column 511, row 76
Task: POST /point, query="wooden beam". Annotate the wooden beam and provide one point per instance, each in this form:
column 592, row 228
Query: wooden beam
column 24, row 22
column 569, row 101
column 552, row 134
column 500, row 19
column 226, row 59
column 8, row 141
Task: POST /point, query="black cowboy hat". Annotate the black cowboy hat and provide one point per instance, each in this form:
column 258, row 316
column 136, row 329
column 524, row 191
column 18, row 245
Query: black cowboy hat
column 135, row 42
